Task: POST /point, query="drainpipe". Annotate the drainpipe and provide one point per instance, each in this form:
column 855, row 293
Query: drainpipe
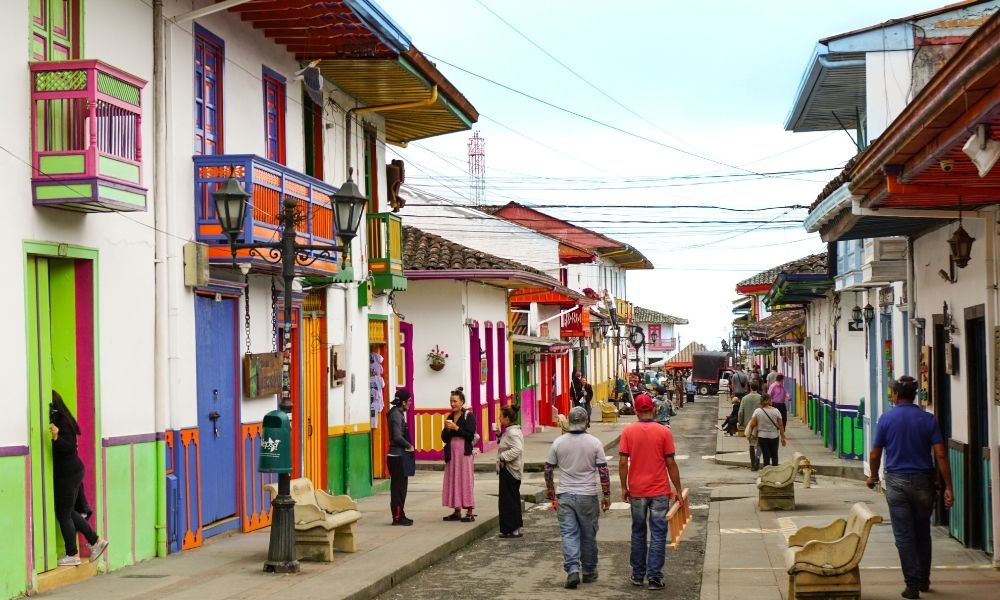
column 992, row 320
column 382, row 108
column 161, row 369
column 911, row 306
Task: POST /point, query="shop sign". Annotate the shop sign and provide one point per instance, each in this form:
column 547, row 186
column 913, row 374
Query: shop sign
column 262, row 374
column 574, row 324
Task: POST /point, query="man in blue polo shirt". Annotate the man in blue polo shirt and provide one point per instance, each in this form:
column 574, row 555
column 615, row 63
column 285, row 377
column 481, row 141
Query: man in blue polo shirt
column 907, row 434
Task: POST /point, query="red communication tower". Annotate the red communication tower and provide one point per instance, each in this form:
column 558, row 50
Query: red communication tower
column 477, row 168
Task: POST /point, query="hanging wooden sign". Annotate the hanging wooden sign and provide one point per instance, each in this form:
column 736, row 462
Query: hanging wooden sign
column 261, row 374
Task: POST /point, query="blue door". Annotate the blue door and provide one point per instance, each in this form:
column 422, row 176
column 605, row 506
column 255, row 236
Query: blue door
column 215, row 323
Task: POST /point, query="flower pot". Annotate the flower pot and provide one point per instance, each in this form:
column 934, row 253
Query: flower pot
column 437, row 366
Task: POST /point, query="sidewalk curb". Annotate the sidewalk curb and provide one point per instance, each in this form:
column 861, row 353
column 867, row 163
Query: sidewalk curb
column 419, row 563
column 713, row 543
column 854, row 473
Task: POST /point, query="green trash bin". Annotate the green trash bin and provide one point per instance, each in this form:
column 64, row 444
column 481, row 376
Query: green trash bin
column 275, row 444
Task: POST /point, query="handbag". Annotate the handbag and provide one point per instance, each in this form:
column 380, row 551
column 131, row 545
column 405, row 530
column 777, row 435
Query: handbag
column 751, row 435
column 409, row 464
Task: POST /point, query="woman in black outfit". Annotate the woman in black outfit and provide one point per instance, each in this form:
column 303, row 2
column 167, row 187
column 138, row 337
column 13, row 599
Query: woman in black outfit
column 400, row 453
column 67, row 471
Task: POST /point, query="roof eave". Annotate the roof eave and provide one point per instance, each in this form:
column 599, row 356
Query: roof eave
column 829, row 208
column 523, row 279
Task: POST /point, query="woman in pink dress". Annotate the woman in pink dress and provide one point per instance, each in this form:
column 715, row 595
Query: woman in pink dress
column 458, row 435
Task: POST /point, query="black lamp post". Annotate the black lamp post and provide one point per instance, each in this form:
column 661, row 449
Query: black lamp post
column 638, row 340
column 348, row 210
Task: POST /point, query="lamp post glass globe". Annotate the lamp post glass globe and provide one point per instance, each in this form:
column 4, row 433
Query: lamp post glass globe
column 231, row 207
column 348, row 209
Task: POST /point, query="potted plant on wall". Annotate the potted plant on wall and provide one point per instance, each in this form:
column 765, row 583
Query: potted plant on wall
column 437, row 358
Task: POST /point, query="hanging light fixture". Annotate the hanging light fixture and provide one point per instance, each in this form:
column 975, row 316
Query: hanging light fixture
column 960, row 242
column 869, row 313
column 856, row 314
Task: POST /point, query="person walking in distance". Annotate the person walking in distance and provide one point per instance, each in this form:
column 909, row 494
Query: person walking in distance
column 400, row 457
column 67, row 477
column 739, row 382
column 646, row 457
column 906, row 435
column 588, row 395
column 576, row 393
column 779, row 396
column 748, row 406
column 580, row 459
column 767, row 425
column 510, row 464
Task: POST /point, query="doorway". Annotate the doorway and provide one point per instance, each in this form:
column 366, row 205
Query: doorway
column 979, row 525
column 314, row 398
column 941, row 399
column 217, row 373
column 59, row 298
column 404, row 372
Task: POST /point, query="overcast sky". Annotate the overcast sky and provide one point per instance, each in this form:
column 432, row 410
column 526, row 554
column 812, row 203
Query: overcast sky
column 678, row 103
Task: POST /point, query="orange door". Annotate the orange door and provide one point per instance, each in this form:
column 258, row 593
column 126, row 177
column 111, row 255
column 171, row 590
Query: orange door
column 314, row 404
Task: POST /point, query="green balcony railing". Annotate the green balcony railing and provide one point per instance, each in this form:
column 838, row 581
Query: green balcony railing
column 385, row 251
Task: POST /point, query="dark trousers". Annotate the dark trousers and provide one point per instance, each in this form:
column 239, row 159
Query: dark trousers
column 398, row 482
column 911, row 501
column 769, row 448
column 783, row 409
column 754, row 459
column 509, row 503
column 67, row 488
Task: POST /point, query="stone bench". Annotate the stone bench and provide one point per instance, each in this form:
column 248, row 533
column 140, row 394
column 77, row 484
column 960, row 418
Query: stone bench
column 322, row 522
column 776, row 485
column 823, row 562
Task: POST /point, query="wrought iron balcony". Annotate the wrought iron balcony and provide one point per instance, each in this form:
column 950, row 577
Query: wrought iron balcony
column 86, row 137
column 385, row 251
column 268, row 183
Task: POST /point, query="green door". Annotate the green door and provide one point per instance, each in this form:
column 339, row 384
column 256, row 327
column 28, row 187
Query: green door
column 55, row 29
column 53, row 326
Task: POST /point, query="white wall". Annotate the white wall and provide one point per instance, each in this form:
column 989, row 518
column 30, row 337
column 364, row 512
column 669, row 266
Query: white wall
column 930, row 255
column 118, row 34
column 887, row 77
column 438, row 311
column 480, row 231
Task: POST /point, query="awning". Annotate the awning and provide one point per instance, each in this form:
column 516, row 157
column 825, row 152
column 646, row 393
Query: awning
column 540, row 342
column 363, row 52
column 564, row 297
column 683, row 359
column 776, row 324
column 797, row 289
column 918, row 162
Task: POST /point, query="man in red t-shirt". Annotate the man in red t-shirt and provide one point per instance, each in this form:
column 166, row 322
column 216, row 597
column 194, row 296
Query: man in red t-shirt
column 646, row 457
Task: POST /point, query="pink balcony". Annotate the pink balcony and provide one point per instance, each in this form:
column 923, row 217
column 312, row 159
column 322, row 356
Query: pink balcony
column 86, row 132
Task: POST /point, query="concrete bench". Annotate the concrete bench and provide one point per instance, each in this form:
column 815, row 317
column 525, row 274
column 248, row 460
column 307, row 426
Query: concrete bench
column 823, row 562
column 776, row 485
column 322, row 522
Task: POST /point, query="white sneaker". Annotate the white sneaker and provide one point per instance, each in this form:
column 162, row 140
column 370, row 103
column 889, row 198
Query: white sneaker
column 96, row 550
column 68, row 561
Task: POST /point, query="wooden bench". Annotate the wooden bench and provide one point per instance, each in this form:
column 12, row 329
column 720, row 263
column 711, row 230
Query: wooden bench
column 823, row 562
column 322, row 522
column 776, row 485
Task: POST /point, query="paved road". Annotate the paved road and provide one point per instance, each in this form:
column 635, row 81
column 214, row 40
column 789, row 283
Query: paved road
column 531, row 567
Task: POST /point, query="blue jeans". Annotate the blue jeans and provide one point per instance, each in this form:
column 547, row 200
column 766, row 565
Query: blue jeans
column 911, row 502
column 578, row 525
column 648, row 562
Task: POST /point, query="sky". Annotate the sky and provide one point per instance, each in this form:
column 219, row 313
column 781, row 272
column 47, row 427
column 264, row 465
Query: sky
column 677, row 104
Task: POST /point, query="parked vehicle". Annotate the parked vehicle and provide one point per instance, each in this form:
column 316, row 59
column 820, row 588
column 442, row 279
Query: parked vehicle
column 708, row 368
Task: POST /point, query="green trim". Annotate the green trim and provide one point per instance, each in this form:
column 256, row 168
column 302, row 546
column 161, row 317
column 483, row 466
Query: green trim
column 116, row 88
column 118, row 169
column 118, row 482
column 143, row 470
column 117, row 195
column 62, row 164
column 374, row 317
column 389, row 281
column 13, row 582
column 62, row 290
column 60, row 190
column 349, row 466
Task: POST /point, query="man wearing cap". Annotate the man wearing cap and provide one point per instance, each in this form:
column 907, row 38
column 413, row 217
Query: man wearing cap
column 399, row 457
column 580, row 459
column 646, row 456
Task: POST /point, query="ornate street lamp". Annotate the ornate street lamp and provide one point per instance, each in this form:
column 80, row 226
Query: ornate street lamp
column 856, row 314
column 869, row 313
column 960, row 244
column 230, row 207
